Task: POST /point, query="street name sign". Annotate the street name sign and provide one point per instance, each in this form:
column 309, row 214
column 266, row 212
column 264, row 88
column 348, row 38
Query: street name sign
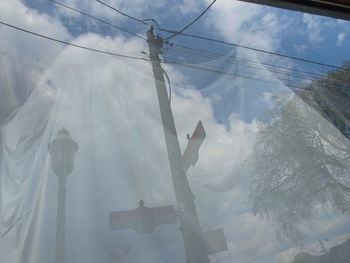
column 215, row 241
column 190, row 155
column 142, row 219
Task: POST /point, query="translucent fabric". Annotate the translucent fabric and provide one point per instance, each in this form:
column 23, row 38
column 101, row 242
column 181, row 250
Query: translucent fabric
column 272, row 172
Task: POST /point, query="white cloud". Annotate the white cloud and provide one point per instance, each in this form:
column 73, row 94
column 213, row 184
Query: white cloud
column 248, row 24
column 314, row 28
column 190, row 6
column 340, row 38
column 300, row 48
column 235, row 14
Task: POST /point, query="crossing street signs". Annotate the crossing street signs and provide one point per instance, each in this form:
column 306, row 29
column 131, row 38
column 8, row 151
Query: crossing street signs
column 215, row 241
column 190, row 155
column 142, row 219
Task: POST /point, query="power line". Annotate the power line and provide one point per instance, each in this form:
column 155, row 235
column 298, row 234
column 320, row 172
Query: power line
column 256, row 49
column 98, row 19
column 122, row 29
column 201, row 37
column 226, row 73
column 219, row 55
column 143, row 59
column 134, row 34
column 71, row 44
column 131, row 33
column 129, row 16
column 102, row 21
column 252, row 66
column 194, row 21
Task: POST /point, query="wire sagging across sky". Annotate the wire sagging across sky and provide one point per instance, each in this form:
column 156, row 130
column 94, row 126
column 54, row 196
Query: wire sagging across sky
column 261, row 50
column 190, row 24
column 145, row 59
column 143, row 21
column 98, row 19
column 70, row 44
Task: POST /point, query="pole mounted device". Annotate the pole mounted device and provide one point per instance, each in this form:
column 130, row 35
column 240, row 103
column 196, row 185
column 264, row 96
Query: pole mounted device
column 62, row 150
column 193, row 239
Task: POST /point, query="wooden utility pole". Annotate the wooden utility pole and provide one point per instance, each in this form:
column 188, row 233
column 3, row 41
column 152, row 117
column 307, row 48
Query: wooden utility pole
column 191, row 231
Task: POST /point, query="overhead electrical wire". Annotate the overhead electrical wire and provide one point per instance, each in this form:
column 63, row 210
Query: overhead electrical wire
column 190, row 24
column 228, row 73
column 256, row 74
column 144, row 59
column 259, row 50
column 252, row 66
column 220, row 55
column 143, row 21
column 170, row 89
column 118, row 27
column 98, row 19
column 196, row 36
column 184, row 47
column 71, row 44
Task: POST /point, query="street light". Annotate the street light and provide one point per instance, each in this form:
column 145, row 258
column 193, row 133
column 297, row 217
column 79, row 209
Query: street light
column 62, row 150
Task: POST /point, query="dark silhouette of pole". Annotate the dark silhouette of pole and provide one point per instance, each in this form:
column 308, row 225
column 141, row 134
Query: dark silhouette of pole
column 62, row 151
column 188, row 218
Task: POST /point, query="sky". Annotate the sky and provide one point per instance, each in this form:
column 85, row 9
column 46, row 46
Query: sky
column 110, row 107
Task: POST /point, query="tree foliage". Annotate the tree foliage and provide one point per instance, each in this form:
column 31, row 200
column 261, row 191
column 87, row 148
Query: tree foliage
column 330, row 95
column 302, row 161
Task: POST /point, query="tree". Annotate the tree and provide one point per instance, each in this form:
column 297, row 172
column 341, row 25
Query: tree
column 302, row 161
column 330, row 95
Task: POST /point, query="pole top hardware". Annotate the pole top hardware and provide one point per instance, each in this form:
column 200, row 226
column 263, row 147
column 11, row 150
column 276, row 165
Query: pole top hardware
column 156, row 43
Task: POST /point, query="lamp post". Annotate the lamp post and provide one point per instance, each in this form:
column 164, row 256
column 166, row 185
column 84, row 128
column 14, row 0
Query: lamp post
column 62, row 150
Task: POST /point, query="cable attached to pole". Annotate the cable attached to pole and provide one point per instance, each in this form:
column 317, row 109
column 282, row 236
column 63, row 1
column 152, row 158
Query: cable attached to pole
column 98, row 19
column 174, row 33
column 190, row 24
column 71, row 44
column 168, row 79
column 143, row 21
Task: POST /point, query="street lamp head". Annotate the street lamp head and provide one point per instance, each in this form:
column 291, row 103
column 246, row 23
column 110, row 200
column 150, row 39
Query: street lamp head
column 63, row 132
column 62, row 150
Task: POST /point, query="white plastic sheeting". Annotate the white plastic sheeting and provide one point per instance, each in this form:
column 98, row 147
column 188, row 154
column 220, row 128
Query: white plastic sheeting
column 110, row 109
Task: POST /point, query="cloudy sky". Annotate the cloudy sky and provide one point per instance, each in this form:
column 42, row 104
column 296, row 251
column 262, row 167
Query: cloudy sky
column 109, row 105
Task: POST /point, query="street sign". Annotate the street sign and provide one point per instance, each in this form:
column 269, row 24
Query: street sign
column 215, row 241
column 142, row 219
column 190, row 155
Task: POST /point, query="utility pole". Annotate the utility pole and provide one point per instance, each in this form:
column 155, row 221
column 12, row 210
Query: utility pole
column 191, row 231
